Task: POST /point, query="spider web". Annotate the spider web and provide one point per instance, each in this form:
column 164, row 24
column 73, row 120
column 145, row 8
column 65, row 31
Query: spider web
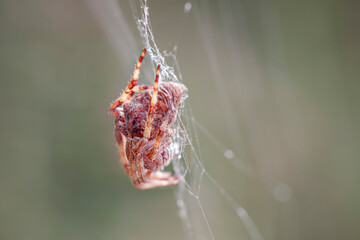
column 191, row 169
column 200, row 220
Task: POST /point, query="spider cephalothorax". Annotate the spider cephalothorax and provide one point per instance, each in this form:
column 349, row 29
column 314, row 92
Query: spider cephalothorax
column 142, row 128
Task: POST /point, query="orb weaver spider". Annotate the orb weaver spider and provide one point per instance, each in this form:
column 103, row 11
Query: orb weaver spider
column 142, row 128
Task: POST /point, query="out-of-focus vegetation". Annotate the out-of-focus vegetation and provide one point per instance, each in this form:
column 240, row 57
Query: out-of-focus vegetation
column 293, row 83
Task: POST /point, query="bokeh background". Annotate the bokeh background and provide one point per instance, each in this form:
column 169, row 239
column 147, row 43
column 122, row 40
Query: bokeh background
column 276, row 82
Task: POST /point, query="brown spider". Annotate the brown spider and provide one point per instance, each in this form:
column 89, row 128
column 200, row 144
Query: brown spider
column 142, row 129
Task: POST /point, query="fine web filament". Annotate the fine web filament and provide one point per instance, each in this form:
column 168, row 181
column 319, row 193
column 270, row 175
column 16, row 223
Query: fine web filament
column 189, row 164
column 194, row 161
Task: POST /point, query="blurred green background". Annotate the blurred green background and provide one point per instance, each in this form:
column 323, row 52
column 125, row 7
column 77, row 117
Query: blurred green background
column 277, row 82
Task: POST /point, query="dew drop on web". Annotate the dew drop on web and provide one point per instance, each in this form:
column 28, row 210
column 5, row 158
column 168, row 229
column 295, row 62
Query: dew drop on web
column 187, row 7
column 229, row 154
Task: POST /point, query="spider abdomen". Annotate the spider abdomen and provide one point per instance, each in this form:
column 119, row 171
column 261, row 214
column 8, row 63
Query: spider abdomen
column 136, row 110
column 136, row 113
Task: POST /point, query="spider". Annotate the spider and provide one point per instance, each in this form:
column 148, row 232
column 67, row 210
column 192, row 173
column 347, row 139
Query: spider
column 142, row 128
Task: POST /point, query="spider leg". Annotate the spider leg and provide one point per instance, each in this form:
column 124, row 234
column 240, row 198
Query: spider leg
column 128, row 98
column 136, row 164
column 133, row 173
column 162, row 136
column 124, row 96
column 138, row 89
column 160, row 175
column 121, row 146
column 154, row 182
column 156, row 145
column 152, row 105
column 121, row 140
column 133, row 169
column 157, row 178
column 140, row 169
